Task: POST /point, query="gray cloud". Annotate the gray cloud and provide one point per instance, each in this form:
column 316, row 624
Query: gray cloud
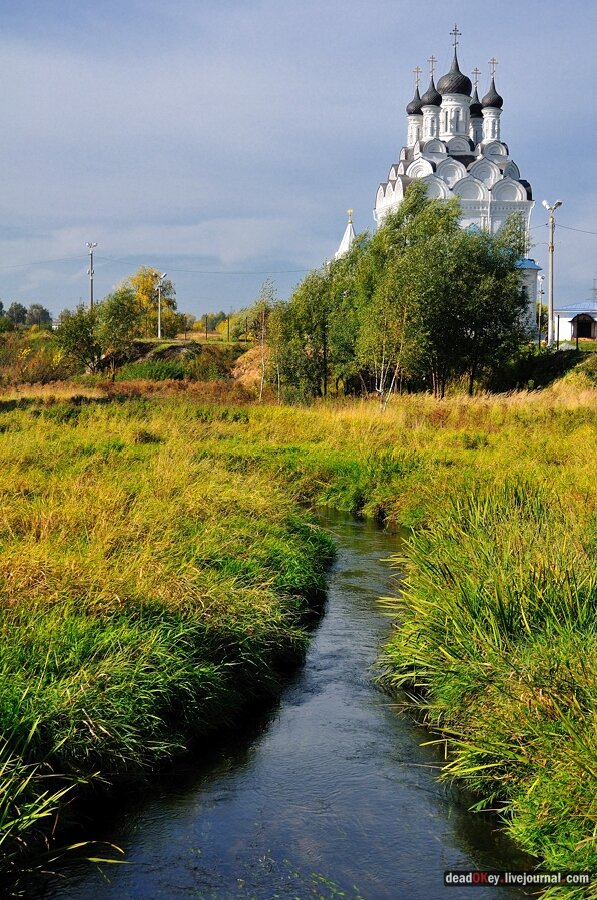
column 233, row 136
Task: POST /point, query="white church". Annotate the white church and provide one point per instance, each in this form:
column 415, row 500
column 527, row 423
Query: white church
column 454, row 146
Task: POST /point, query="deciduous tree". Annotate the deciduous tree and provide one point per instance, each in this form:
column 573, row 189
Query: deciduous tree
column 76, row 336
column 17, row 313
column 145, row 285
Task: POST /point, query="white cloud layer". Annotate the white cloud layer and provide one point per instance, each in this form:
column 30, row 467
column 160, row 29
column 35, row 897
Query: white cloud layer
column 231, row 137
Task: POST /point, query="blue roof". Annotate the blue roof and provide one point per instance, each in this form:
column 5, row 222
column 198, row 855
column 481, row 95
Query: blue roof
column 528, row 264
column 582, row 306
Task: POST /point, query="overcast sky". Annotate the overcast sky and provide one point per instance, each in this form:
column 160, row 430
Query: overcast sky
column 223, row 141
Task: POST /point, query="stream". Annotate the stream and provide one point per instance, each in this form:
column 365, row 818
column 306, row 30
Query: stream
column 329, row 795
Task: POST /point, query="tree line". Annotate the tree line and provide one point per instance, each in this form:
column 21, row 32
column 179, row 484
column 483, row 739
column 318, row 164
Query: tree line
column 420, row 303
column 94, row 335
column 17, row 315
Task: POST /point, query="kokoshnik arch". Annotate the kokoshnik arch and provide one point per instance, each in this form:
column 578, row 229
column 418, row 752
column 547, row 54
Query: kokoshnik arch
column 454, row 147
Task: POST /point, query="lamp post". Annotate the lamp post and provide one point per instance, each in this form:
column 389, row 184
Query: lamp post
column 91, row 245
column 540, row 310
column 159, row 286
column 552, row 225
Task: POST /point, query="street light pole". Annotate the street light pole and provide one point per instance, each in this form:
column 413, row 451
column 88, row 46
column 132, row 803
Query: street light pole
column 552, row 225
column 540, row 310
column 160, row 284
column 91, row 245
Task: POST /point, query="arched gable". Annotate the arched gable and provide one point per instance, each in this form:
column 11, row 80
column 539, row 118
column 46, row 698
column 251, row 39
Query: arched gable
column 512, row 171
column 508, row 191
column 470, row 188
column 399, row 189
column 451, row 171
column 434, row 145
column 495, row 150
column 486, row 171
column 460, row 145
column 420, row 168
column 436, row 188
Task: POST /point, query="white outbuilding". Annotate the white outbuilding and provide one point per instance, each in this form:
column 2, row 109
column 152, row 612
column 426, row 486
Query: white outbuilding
column 576, row 320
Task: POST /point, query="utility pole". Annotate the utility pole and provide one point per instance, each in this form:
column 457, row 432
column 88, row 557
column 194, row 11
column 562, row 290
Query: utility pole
column 160, row 283
column 540, row 310
column 552, row 225
column 91, row 245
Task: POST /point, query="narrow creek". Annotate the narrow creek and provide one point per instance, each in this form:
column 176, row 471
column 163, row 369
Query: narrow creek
column 331, row 795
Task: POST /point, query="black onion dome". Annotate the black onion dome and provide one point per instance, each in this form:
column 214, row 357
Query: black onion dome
column 431, row 97
column 492, row 98
column 414, row 107
column 476, row 108
column 455, row 82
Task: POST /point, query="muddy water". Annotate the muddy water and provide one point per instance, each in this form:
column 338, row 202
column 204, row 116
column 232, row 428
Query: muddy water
column 330, row 795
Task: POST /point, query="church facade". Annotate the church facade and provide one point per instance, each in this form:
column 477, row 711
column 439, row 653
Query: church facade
column 454, row 147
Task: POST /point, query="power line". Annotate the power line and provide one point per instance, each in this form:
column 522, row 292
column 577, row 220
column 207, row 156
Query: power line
column 567, row 227
column 43, row 262
column 213, row 271
column 581, row 230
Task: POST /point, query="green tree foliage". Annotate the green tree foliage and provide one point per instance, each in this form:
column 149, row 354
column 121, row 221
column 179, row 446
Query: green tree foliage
column 106, row 331
column 38, row 315
column 119, row 317
column 259, row 323
column 76, row 336
column 214, row 319
column 421, row 302
column 144, row 283
column 17, row 313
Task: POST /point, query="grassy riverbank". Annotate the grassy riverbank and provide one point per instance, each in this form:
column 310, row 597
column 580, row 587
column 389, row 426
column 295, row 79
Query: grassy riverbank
column 171, row 512
column 148, row 595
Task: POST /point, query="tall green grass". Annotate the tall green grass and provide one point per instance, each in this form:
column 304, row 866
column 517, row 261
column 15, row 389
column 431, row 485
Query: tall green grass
column 497, row 644
column 155, row 562
column 148, row 595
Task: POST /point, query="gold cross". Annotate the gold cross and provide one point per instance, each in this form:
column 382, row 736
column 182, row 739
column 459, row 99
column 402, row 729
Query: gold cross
column 456, row 34
column 493, row 63
column 476, row 73
column 349, row 211
column 417, row 70
column 432, row 61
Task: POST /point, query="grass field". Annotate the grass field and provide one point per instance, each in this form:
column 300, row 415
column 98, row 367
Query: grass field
column 148, row 595
column 156, row 560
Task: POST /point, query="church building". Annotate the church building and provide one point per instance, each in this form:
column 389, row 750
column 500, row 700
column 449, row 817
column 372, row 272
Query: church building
column 454, row 146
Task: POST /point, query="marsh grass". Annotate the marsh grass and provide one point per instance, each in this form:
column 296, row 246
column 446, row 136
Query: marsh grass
column 155, row 563
column 147, row 597
column 497, row 645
